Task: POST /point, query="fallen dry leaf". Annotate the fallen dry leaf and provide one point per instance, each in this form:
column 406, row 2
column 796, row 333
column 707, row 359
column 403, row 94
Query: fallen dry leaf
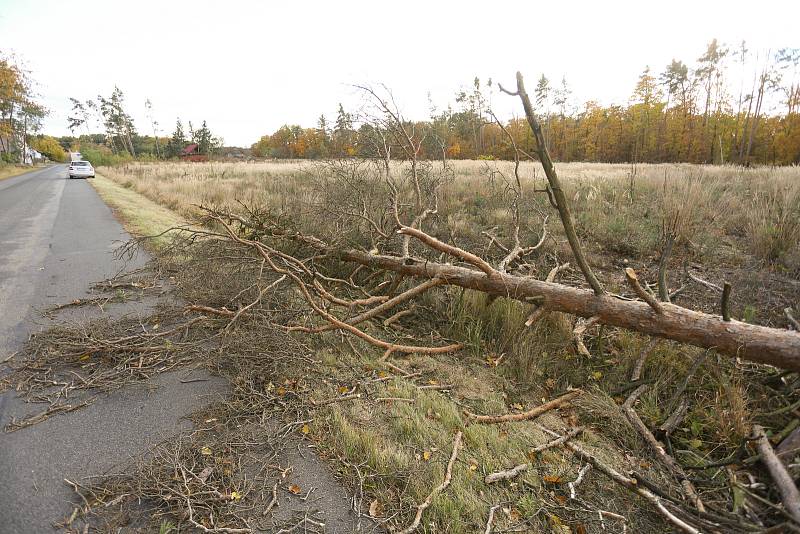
column 375, row 509
column 295, row 489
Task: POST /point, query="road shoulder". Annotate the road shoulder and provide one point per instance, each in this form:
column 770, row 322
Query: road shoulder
column 303, row 470
column 139, row 215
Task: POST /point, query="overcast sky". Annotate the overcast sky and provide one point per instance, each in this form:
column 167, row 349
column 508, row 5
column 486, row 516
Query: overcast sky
column 248, row 67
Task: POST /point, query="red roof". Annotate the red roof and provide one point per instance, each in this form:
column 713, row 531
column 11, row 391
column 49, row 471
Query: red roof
column 191, row 149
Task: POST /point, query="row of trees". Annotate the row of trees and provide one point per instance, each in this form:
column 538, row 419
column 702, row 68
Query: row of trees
column 20, row 113
column 292, row 141
column 120, row 136
column 732, row 106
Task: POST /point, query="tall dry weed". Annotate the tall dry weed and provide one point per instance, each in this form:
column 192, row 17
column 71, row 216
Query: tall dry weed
column 773, row 223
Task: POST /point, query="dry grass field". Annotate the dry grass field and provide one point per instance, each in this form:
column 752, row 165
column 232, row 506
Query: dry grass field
column 390, row 443
column 737, row 216
column 9, row 170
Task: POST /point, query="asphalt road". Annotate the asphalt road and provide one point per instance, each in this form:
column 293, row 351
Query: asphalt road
column 57, row 238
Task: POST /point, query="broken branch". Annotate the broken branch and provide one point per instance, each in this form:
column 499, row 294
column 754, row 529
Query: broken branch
column 508, row 474
column 790, row 496
column 525, row 416
column 633, row 281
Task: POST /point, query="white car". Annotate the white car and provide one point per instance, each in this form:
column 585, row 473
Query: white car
column 80, row 169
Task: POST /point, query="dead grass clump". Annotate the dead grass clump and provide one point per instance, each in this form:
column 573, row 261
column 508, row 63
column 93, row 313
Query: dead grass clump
column 734, row 418
column 494, row 331
column 773, row 223
column 601, row 411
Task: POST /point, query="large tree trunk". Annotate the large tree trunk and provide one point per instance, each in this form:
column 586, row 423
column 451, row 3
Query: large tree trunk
column 756, row 343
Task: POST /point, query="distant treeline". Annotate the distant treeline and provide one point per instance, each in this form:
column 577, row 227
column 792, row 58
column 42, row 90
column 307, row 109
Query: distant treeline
column 683, row 114
column 121, row 141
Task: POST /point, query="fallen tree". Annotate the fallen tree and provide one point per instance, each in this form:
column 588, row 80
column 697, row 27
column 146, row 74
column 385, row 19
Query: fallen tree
column 369, row 239
column 762, row 344
column 773, row 346
column 385, row 199
column 371, row 230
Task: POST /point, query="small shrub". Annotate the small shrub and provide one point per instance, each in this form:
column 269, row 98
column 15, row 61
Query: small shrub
column 99, row 155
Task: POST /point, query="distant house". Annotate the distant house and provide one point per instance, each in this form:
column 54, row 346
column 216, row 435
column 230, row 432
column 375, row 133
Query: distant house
column 32, row 156
column 192, row 153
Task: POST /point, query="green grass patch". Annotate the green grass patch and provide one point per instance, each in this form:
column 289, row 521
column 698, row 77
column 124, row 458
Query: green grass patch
column 140, row 215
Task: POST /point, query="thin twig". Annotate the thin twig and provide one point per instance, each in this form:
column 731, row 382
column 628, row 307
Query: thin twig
column 437, row 490
column 790, row 496
column 490, row 519
column 667, row 460
column 530, row 414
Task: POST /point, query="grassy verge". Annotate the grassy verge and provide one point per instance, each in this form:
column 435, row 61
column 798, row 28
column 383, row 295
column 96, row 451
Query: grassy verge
column 9, row 171
column 140, row 216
